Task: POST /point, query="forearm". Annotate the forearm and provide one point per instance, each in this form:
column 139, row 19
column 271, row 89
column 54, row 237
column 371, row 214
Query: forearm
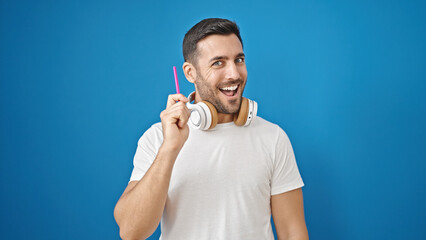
column 299, row 235
column 139, row 211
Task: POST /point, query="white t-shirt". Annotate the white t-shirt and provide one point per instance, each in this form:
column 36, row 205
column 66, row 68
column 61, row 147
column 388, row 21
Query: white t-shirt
column 222, row 180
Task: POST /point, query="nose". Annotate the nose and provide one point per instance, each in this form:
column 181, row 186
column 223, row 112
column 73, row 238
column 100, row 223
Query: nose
column 232, row 72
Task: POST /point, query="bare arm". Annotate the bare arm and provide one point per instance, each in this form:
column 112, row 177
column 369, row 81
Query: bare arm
column 288, row 215
column 139, row 209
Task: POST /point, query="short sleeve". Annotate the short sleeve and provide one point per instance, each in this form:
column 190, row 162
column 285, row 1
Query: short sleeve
column 285, row 176
column 146, row 151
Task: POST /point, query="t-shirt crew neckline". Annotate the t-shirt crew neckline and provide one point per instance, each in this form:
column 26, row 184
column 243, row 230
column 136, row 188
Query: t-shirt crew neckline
column 224, row 125
column 219, row 126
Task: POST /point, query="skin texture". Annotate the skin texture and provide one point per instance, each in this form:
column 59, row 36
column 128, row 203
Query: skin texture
column 220, row 63
column 288, row 214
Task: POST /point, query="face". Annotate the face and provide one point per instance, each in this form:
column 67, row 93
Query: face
column 221, row 72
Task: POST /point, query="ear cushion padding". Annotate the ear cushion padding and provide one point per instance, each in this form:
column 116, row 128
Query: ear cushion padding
column 213, row 112
column 241, row 118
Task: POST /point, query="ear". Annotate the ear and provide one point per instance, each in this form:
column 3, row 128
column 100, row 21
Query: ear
column 189, row 71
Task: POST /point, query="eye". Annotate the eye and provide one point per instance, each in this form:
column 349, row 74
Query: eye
column 217, row 63
column 239, row 60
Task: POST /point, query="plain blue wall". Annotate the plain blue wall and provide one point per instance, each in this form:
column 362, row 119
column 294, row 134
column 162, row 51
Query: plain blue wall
column 82, row 80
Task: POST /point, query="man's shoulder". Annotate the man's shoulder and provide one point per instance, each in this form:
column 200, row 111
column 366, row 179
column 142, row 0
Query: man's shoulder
column 265, row 125
column 152, row 134
column 154, row 129
column 157, row 126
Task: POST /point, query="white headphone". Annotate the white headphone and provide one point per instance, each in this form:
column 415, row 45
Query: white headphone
column 204, row 114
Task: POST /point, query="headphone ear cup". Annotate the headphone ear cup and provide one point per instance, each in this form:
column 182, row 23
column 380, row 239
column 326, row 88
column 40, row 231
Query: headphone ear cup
column 213, row 112
column 241, row 118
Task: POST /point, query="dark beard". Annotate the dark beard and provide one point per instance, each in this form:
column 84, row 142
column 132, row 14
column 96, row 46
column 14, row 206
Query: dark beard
column 207, row 94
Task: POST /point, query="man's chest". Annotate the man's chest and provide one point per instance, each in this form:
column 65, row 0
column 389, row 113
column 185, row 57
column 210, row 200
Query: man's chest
column 222, row 168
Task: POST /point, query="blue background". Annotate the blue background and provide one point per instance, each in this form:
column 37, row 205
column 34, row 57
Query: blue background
column 82, row 80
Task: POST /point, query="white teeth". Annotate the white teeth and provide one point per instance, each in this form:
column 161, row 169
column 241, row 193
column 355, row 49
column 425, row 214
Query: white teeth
column 232, row 88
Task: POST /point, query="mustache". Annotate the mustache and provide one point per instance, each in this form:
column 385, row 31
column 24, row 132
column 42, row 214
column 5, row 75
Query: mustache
column 231, row 83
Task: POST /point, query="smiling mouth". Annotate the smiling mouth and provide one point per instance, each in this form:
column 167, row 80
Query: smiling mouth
column 230, row 91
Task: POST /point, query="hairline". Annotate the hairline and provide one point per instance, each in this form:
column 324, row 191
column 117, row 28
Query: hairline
column 196, row 51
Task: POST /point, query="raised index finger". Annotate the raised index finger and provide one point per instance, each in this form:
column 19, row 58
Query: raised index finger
column 173, row 98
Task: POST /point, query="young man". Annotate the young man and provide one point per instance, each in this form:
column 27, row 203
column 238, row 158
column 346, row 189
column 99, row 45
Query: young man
column 223, row 183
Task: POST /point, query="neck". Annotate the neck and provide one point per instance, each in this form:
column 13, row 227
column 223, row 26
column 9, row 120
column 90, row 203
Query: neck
column 224, row 118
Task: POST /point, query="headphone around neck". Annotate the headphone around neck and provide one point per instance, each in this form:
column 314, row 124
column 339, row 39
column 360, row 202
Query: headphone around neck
column 204, row 114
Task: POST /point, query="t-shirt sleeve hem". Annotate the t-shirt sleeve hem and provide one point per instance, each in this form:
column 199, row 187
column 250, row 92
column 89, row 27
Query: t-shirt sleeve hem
column 287, row 188
column 135, row 178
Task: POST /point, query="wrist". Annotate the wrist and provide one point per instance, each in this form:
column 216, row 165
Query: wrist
column 170, row 148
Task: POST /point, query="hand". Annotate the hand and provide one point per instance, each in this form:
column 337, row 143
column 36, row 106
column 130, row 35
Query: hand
column 174, row 121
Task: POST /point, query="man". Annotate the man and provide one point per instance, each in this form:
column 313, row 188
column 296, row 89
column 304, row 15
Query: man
column 223, row 183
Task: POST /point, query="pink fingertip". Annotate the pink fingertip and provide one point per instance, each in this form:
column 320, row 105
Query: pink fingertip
column 176, row 80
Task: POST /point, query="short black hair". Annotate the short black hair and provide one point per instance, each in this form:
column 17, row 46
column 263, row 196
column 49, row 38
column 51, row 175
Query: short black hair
column 204, row 28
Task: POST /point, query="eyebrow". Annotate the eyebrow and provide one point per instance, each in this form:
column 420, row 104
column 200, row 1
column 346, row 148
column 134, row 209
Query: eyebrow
column 225, row 57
